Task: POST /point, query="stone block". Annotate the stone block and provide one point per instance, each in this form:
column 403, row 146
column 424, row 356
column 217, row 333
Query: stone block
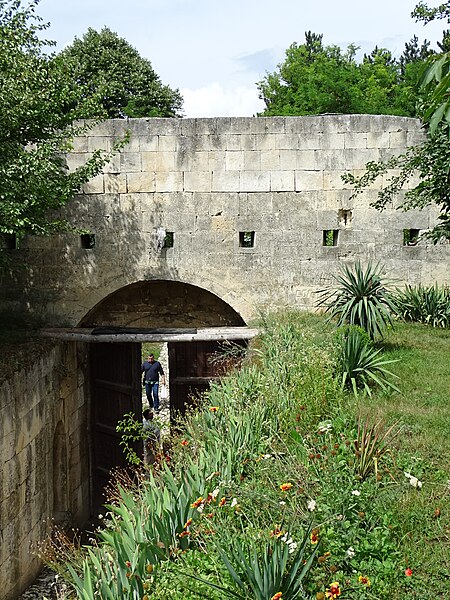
column 234, row 160
column 141, row 182
column 99, row 143
column 169, row 182
column 197, row 182
column 355, row 140
column 309, row 180
column 130, row 162
column 115, row 183
column 397, row 139
column 288, row 159
column 165, row 161
column 167, row 143
column 307, row 160
column 217, row 160
column 252, row 161
column 282, row 181
column 310, row 142
column 233, row 142
column 332, row 141
column 226, row 181
column 248, row 141
column 254, row 181
column 113, row 165
column 378, row 139
column 94, row 185
column 270, row 160
column 149, row 161
column 148, row 143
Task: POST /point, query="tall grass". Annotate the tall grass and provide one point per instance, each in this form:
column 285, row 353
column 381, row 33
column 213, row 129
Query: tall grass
column 269, row 454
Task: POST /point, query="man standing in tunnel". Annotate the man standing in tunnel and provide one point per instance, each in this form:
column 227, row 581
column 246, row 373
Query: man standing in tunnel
column 152, row 369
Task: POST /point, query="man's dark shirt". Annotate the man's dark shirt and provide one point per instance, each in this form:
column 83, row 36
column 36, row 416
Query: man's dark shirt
column 152, row 370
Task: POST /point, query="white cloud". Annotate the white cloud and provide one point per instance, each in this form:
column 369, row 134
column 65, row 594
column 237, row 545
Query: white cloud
column 215, row 100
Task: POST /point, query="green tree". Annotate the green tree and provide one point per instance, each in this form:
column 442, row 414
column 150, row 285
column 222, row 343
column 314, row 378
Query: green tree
column 316, row 79
column 430, row 160
column 313, row 79
column 40, row 108
column 108, row 65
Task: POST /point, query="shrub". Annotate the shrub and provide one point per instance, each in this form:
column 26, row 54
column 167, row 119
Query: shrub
column 361, row 297
column 421, row 304
column 363, row 365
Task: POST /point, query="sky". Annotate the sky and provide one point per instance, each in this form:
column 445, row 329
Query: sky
column 215, row 51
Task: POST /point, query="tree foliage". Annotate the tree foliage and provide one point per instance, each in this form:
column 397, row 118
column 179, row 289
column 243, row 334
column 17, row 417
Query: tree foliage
column 40, row 109
column 430, row 160
column 316, row 79
column 107, row 65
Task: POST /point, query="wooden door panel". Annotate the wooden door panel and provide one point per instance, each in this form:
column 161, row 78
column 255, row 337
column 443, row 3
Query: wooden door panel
column 192, row 368
column 115, row 391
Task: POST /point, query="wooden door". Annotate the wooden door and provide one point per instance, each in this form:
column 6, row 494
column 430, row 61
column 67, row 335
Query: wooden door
column 115, row 391
column 192, row 366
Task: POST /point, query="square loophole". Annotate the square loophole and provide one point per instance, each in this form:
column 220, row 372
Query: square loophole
column 87, row 241
column 246, row 239
column 411, row 237
column 330, row 237
column 169, row 239
column 10, row 241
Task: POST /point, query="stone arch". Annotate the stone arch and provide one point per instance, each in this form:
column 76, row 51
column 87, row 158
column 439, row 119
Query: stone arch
column 60, row 474
column 162, row 303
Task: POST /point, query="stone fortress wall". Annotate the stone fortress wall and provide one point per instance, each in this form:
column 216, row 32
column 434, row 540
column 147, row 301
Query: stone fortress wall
column 204, row 221
column 248, row 203
column 44, row 475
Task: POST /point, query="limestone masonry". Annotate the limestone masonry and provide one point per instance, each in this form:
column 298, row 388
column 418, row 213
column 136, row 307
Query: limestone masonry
column 255, row 209
column 196, row 223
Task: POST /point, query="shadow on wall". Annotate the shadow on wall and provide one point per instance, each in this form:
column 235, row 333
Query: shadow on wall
column 62, row 269
column 60, row 495
column 162, row 304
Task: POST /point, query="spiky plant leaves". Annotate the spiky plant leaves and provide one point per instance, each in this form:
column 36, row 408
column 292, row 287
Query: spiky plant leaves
column 360, row 297
column 430, row 305
column 362, row 364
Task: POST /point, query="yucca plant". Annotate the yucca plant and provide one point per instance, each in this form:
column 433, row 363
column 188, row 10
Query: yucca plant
column 363, row 365
column 430, row 305
column 360, row 297
column 264, row 571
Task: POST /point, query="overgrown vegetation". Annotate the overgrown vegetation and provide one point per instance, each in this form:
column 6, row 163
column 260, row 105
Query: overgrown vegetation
column 276, row 452
column 423, row 304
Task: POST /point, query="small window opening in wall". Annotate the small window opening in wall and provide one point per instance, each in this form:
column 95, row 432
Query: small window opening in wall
column 330, row 237
column 410, row 237
column 10, row 241
column 246, row 239
column 345, row 217
column 87, row 241
column 168, row 239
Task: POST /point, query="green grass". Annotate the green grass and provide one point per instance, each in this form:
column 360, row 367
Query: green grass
column 423, row 405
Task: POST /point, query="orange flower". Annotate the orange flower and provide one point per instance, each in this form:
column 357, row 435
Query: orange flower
column 276, row 596
column 276, row 532
column 213, row 408
column 334, row 590
column 285, row 487
column 183, row 534
column 314, row 537
column 197, row 503
column 408, row 572
column 188, row 522
column 364, row 580
column 222, row 501
column 184, row 443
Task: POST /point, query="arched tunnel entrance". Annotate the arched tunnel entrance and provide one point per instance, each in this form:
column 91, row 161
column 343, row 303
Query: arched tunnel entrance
column 192, row 321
